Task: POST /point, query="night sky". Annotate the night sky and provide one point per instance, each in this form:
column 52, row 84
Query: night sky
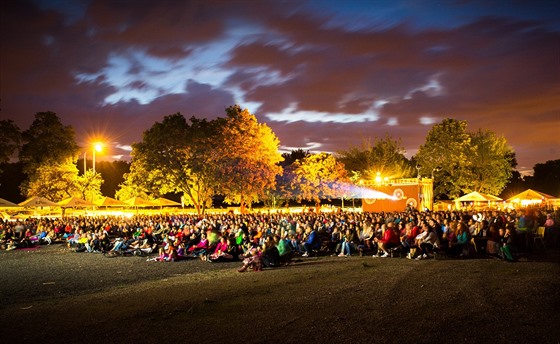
column 323, row 75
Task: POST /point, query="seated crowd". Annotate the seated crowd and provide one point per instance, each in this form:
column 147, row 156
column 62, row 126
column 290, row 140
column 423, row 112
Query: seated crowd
column 268, row 240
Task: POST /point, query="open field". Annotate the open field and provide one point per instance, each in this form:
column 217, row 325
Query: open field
column 53, row 295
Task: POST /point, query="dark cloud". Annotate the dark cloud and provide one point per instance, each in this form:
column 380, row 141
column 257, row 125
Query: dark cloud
column 498, row 73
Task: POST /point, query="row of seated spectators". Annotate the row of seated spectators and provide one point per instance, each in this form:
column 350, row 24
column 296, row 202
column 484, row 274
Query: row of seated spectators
column 275, row 238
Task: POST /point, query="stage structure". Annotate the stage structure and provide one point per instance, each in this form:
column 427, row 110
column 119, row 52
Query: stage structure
column 411, row 193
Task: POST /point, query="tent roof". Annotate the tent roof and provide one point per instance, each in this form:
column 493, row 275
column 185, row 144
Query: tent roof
column 140, row 202
column 38, row 202
column 166, row 202
column 530, row 195
column 477, row 197
column 111, row 202
column 75, row 202
column 7, row 204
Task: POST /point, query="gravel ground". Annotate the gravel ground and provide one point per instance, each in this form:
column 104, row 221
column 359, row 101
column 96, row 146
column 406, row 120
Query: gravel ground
column 54, row 295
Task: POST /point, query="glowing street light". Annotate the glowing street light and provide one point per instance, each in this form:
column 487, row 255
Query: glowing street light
column 98, row 146
column 378, row 178
column 436, row 169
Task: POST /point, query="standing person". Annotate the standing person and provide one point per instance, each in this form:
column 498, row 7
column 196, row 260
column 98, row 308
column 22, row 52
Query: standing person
column 550, row 231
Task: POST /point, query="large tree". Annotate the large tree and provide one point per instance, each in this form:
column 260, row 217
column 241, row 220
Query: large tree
column 464, row 161
column 385, row 157
column 48, row 149
column 88, row 186
column 246, row 157
column 492, row 162
column 318, row 177
column 47, row 141
column 546, row 177
column 10, row 140
column 282, row 192
column 176, row 155
column 55, row 182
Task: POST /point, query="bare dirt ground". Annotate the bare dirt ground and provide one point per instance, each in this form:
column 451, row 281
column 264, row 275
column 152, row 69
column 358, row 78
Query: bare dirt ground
column 53, row 295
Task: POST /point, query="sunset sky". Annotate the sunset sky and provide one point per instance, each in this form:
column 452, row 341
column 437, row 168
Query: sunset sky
column 324, row 75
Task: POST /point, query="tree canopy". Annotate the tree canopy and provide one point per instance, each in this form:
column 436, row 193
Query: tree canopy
column 172, row 158
column 319, row 176
column 464, row 161
column 385, row 156
column 247, row 157
column 48, row 155
column 10, row 140
column 234, row 156
column 47, row 141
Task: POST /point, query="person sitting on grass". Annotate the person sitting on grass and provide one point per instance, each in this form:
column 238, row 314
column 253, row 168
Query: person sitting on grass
column 427, row 242
column 312, row 241
column 388, row 240
column 347, row 244
column 365, row 238
column 507, row 248
column 200, row 248
column 220, row 253
column 459, row 247
column 493, row 243
column 167, row 253
column 408, row 238
column 269, row 253
column 252, row 259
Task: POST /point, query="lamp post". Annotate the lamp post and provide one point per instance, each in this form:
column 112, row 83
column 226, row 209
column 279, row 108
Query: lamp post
column 85, row 162
column 436, row 169
column 96, row 147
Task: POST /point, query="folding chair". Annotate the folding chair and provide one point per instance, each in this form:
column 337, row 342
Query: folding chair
column 539, row 237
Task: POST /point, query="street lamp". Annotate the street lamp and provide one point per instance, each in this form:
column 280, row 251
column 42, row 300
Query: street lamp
column 98, row 146
column 85, row 162
column 378, row 178
column 436, row 169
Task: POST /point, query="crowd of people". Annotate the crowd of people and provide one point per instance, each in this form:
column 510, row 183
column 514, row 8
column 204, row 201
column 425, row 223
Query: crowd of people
column 261, row 240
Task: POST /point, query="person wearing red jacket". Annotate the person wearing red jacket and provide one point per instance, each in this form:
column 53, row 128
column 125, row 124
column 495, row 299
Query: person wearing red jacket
column 389, row 240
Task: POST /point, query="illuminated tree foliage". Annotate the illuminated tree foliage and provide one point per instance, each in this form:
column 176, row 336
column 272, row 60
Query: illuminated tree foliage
column 246, row 157
column 282, row 191
column 88, row 186
column 464, row 161
column 491, row 163
column 10, row 140
column 48, row 155
column 448, row 149
column 384, row 156
column 47, row 141
column 55, row 182
column 319, row 176
column 174, row 157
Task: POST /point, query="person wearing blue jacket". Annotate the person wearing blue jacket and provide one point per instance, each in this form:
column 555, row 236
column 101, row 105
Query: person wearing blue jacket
column 312, row 241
